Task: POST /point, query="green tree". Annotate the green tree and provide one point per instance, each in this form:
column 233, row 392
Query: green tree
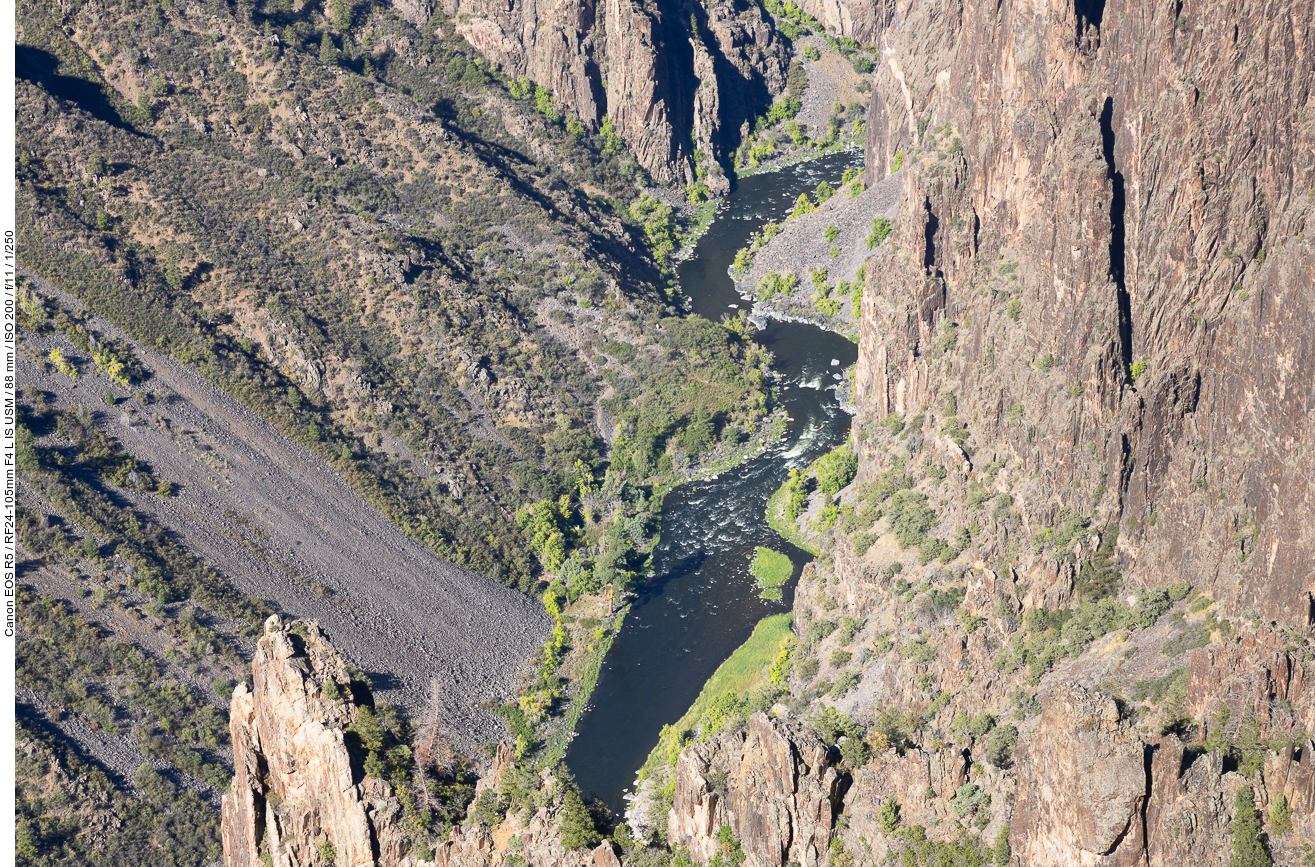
column 328, row 51
column 341, row 15
column 888, row 816
column 578, row 829
column 1250, row 845
column 1002, row 851
column 1280, row 815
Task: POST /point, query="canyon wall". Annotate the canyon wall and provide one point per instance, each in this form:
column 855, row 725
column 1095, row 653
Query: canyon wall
column 860, row 20
column 1090, row 344
column 1141, row 191
column 678, row 81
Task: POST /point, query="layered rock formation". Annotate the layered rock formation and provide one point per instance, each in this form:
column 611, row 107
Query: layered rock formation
column 678, row 81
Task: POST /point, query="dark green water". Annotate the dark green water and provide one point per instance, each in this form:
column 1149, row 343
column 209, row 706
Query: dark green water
column 701, row 603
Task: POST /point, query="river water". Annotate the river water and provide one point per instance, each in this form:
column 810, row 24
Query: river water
column 702, row 603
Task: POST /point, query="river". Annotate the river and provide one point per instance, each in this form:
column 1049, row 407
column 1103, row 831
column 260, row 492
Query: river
column 702, row 603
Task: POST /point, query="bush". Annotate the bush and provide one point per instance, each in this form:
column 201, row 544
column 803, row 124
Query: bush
column 855, row 752
column 968, row 800
column 881, row 229
column 836, row 469
column 910, row 517
column 888, row 816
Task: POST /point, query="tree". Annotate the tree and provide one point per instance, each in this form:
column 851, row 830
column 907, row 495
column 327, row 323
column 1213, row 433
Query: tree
column 328, row 51
column 888, row 816
column 1250, row 844
column 1002, row 851
column 578, row 829
column 341, row 15
column 836, row 469
column 1280, row 815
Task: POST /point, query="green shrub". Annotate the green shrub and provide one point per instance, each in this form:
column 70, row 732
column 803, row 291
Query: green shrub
column 910, row 517
column 1250, row 843
column 881, row 229
column 968, row 800
column 836, row 469
column 775, row 283
column 888, row 816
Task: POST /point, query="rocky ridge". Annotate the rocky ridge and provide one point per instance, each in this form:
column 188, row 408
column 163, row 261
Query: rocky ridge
column 679, row 84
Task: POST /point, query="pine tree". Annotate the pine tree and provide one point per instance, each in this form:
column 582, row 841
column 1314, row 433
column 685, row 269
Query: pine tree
column 328, row 51
column 1002, row 851
column 577, row 825
column 1250, row 845
column 341, row 15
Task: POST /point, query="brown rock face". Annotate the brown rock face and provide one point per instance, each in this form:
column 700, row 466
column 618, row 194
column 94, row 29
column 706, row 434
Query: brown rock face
column 676, row 80
column 1083, row 783
column 295, row 787
column 1138, row 188
column 772, row 784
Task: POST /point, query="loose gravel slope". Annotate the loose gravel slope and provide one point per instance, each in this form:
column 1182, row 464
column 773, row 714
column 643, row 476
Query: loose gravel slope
column 283, row 525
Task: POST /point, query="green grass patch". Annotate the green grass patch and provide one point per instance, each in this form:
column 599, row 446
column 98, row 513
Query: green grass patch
column 744, row 671
column 771, row 569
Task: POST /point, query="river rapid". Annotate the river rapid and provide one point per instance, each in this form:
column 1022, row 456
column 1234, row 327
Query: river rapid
column 701, row 602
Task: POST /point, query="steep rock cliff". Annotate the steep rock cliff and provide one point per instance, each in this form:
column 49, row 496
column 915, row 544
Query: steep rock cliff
column 1089, row 346
column 298, row 791
column 774, row 785
column 678, row 81
column 1140, row 190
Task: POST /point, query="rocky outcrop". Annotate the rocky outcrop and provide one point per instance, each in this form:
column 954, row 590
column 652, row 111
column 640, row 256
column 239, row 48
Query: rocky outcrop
column 860, row 20
column 774, row 785
column 678, row 81
column 298, row 791
column 1083, row 783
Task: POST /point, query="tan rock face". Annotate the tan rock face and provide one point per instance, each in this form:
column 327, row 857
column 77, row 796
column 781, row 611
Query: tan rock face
column 772, row 784
column 860, row 20
column 1083, row 782
column 676, row 81
column 295, row 784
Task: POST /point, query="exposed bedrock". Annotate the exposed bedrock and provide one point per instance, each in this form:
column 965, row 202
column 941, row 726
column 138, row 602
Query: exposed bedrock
column 677, row 79
column 1140, row 193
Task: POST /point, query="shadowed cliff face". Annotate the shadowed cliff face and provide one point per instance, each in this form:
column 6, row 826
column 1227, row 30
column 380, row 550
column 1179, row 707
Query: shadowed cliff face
column 677, row 79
